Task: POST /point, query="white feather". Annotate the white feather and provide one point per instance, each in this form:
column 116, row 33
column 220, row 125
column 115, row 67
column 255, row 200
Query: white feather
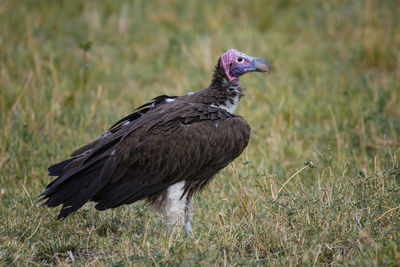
column 104, row 134
column 228, row 106
column 169, row 100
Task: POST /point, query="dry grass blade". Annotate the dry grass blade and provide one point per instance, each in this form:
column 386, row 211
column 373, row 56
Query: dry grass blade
column 309, row 164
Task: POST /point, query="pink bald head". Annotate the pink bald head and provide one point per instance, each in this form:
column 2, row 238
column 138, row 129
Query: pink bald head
column 236, row 63
column 228, row 58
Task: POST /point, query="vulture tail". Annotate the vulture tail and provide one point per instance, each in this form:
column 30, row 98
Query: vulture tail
column 74, row 191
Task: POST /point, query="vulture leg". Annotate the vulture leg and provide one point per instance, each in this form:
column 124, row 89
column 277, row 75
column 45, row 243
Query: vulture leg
column 189, row 216
column 176, row 208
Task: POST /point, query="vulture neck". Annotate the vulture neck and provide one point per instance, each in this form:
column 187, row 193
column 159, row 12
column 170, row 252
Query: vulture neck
column 222, row 92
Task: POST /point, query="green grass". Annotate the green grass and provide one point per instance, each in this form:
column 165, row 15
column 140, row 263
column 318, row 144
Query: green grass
column 69, row 69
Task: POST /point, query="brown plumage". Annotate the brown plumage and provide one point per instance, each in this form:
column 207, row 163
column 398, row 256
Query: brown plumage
column 169, row 141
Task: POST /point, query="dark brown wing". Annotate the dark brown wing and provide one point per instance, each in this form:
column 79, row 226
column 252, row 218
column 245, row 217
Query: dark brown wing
column 170, row 144
column 151, row 161
column 83, row 169
column 131, row 118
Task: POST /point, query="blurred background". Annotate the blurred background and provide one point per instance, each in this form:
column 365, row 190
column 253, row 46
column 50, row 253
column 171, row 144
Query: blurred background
column 70, row 69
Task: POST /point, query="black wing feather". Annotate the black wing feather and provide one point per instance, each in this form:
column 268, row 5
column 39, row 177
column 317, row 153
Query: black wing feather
column 58, row 169
column 140, row 111
column 146, row 157
column 79, row 178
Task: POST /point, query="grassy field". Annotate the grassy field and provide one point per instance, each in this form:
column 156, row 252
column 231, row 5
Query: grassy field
column 69, row 69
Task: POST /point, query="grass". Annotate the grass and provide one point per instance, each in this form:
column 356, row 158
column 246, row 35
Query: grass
column 69, row 69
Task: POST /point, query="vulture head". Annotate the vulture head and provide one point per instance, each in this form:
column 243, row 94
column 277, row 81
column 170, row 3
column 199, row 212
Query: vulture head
column 236, row 63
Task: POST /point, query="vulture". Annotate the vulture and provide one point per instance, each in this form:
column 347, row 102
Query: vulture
column 164, row 152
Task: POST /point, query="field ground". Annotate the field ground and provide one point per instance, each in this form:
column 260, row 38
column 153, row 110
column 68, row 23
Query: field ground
column 69, row 69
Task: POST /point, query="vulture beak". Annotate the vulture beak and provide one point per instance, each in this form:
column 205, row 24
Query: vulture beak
column 262, row 65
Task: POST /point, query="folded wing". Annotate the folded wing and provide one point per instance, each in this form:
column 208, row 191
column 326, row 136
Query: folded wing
column 140, row 160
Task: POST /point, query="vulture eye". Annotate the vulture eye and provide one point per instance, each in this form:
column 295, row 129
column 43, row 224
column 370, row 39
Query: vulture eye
column 239, row 59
